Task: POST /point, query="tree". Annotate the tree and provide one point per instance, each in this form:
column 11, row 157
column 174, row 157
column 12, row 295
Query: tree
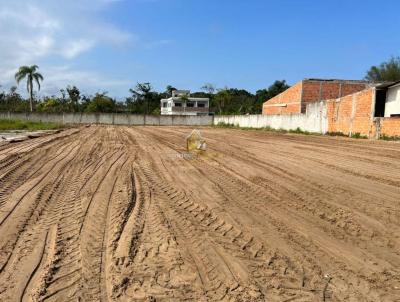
column 14, row 102
column 264, row 95
column 142, row 98
column 387, row 71
column 85, row 101
column 63, row 101
column 209, row 88
column 3, row 103
column 276, row 88
column 31, row 75
column 221, row 99
column 141, row 90
column 273, row 90
column 200, row 94
column 50, row 104
column 169, row 89
column 101, row 103
column 74, row 96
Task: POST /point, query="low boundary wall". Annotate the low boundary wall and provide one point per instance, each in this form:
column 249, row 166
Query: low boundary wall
column 112, row 119
column 314, row 120
column 348, row 115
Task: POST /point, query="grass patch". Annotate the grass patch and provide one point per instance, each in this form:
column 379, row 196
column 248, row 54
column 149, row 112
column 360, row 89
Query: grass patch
column 336, row 134
column 385, row 137
column 359, row 136
column 6, row 124
column 299, row 131
column 267, row 128
column 356, row 135
column 226, row 125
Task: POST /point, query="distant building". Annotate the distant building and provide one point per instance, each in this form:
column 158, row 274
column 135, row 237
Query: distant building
column 348, row 107
column 181, row 103
column 296, row 98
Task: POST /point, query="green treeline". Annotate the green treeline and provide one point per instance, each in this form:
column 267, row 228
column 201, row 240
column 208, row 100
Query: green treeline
column 142, row 99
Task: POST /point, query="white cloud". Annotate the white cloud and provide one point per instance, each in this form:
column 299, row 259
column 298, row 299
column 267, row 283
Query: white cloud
column 74, row 48
column 54, row 33
column 61, row 76
column 38, row 46
column 30, row 17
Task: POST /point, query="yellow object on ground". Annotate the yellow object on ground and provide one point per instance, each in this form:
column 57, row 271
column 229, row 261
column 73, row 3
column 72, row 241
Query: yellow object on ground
column 195, row 142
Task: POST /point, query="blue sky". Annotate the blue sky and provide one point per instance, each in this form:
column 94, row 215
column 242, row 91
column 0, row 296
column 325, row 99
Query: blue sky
column 109, row 45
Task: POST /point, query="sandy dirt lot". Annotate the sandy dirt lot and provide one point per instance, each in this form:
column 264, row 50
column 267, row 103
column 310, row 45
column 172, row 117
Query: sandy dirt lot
column 124, row 214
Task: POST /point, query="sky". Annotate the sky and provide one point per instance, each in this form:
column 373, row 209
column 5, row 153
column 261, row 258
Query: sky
column 110, row 45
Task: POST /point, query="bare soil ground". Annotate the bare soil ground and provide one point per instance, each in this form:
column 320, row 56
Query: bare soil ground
column 123, row 214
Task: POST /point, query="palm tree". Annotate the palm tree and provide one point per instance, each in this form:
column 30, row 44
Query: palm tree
column 31, row 75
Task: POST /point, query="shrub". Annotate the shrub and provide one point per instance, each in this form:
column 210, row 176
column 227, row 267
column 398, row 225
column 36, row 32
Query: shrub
column 226, row 125
column 358, row 135
column 336, row 134
column 389, row 138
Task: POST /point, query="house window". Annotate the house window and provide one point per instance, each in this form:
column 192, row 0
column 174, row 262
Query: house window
column 164, row 105
column 178, row 104
column 190, row 104
column 202, row 105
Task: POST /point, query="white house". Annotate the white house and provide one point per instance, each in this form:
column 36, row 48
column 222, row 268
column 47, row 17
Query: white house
column 392, row 107
column 180, row 103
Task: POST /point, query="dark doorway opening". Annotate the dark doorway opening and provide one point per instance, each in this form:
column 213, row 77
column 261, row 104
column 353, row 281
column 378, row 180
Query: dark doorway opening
column 380, row 100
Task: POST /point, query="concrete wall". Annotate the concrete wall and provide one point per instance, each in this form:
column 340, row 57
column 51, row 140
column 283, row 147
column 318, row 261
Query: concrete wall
column 314, row 120
column 112, row 119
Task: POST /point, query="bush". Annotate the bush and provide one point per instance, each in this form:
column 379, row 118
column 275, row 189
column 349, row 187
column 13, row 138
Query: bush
column 227, row 125
column 101, row 103
column 336, row 134
column 389, row 138
column 299, row 131
column 358, row 135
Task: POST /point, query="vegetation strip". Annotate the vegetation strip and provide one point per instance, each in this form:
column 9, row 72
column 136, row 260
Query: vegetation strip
column 6, row 124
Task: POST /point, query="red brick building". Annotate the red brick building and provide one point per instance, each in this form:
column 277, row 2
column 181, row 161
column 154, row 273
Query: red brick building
column 365, row 112
column 371, row 109
column 296, row 98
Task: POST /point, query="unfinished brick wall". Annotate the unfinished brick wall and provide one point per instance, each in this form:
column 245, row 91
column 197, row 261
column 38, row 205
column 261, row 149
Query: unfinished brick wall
column 390, row 126
column 352, row 113
column 364, row 112
column 350, row 88
column 314, row 90
column 287, row 109
column 339, row 114
column 296, row 98
column 287, row 102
